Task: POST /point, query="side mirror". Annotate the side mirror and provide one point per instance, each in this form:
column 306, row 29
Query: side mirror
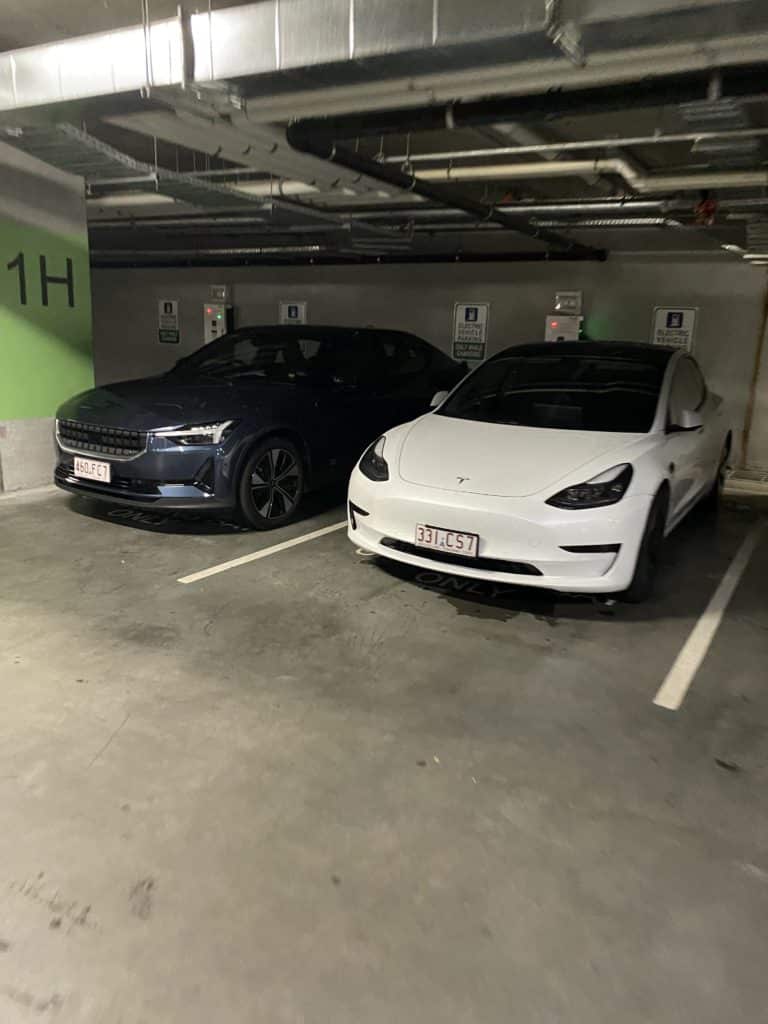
column 689, row 420
column 438, row 399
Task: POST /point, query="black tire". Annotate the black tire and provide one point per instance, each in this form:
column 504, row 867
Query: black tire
column 271, row 484
column 643, row 582
column 710, row 503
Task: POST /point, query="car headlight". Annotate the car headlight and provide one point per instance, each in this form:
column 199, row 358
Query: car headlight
column 605, row 489
column 197, row 433
column 373, row 464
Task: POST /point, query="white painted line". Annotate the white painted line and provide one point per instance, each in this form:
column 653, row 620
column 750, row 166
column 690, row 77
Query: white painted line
column 263, row 553
column 672, row 691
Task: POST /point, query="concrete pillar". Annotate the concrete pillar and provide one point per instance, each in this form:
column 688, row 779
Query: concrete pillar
column 757, row 444
column 45, row 311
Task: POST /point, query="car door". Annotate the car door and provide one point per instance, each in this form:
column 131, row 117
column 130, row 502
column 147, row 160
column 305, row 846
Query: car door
column 712, row 430
column 685, row 449
column 346, row 370
column 410, row 379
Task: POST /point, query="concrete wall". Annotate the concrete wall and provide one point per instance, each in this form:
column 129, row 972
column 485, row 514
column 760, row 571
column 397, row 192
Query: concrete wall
column 45, row 324
column 619, row 297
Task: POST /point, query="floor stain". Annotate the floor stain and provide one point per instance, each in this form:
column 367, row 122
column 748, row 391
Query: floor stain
column 69, row 912
column 140, row 898
column 147, row 635
column 39, row 1004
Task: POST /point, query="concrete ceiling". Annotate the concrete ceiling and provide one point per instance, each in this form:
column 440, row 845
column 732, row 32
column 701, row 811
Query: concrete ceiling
column 215, row 144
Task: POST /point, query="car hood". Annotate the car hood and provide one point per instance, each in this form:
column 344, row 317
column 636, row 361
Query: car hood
column 163, row 402
column 500, row 459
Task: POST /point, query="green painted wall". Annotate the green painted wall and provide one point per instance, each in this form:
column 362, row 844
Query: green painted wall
column 45, row 330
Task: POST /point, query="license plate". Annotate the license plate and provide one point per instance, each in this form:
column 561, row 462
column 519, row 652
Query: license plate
column 452, row 541
column 90, row 469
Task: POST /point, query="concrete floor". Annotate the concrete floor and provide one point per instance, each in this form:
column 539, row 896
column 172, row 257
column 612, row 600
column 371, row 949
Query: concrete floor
column 317, row 790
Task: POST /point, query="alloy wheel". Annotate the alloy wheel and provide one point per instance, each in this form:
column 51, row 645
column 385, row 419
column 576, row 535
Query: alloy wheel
column 275, row 483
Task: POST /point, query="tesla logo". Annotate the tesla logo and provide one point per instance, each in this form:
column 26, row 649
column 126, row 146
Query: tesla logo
column 462, row 479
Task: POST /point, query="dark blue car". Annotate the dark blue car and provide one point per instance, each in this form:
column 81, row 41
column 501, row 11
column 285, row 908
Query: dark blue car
column 250, row 422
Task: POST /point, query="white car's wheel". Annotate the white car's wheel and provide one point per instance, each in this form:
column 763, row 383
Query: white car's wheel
column 646, row 568
column 710, row 503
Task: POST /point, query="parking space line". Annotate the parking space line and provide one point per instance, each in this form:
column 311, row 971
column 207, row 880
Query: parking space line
column 263, row 553
column 672, row 691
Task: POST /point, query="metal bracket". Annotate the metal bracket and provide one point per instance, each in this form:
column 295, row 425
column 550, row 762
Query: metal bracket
column 146, row 25
column 565, row 35
column 187, row 47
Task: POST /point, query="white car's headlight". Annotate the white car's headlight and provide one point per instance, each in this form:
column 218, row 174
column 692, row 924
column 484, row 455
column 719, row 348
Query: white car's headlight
column 373, row 464
column 604, row 489
column 197, row 433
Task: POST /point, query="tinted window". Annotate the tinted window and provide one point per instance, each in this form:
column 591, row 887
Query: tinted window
column 405, row 357
column 562, row 391
column 282, row 357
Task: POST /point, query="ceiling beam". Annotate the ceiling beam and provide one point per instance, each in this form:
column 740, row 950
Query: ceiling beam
column 307, row 141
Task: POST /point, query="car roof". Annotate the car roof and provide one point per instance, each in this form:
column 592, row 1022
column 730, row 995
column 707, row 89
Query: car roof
column 305, row 329
column 641, row 352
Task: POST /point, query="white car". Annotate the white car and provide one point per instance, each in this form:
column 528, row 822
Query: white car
column 560, row 465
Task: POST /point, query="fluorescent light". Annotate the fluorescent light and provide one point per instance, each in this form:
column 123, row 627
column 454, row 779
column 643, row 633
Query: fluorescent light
column 607, row 222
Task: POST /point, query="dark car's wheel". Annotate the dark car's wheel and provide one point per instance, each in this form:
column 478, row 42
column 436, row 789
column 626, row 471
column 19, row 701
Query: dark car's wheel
column 271, row 484
column 646, row 568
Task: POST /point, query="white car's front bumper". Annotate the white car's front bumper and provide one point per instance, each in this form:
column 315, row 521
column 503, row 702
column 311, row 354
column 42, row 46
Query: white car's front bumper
column 524, row 531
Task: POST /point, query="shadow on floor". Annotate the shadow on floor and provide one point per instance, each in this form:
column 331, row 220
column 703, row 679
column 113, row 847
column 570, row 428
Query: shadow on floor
column 197, row 523
column 694, row 558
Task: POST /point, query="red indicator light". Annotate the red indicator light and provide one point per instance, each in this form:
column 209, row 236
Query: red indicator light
column 553, row 323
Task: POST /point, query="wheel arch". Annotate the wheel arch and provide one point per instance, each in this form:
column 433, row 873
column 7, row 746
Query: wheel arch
column 664, row 494
column 289, row 433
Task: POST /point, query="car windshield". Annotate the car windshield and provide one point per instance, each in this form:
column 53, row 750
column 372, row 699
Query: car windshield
column 562, row 391
column 275, row 357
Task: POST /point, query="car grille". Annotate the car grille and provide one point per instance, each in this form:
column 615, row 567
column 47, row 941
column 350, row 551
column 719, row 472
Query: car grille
column 90, row 439
column 490, row 564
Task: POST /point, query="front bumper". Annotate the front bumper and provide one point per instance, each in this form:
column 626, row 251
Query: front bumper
column 526, row 533
column 169, row 477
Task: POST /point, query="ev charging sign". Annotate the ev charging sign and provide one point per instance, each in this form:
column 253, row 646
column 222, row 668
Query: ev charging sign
column 293, row 312
column 470, row 330
column 168, row 321
column 675, row 326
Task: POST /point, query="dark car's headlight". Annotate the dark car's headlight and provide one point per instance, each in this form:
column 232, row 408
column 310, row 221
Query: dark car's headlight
column 605, row 489
column 197, row 433
column 373, row 464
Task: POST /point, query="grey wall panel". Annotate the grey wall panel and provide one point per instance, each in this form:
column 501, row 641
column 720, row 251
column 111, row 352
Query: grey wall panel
column 619, row 297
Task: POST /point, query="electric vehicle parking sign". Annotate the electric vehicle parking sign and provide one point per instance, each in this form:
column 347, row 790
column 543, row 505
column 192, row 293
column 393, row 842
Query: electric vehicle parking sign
column 470, row 330
column 675, row 326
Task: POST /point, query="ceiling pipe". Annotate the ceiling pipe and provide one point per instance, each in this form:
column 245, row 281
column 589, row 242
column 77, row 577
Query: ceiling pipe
column 319, row 145
column 580, row 144
column 117, row 259
column 748, row 80
column 614, row 165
